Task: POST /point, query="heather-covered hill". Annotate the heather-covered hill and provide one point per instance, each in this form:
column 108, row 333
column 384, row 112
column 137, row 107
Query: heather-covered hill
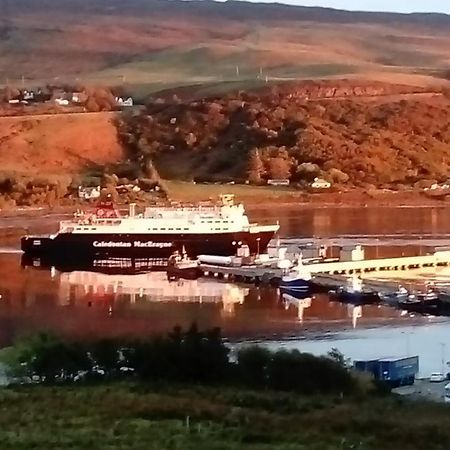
column 152, row 43
column 383, row 137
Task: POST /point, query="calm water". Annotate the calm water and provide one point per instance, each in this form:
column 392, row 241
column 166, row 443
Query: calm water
column 86, row 304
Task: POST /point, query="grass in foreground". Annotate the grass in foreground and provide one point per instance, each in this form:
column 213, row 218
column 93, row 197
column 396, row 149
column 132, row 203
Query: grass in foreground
column 139, row 416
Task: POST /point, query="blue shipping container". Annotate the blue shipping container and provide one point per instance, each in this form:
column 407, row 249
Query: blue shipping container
column 394, row 371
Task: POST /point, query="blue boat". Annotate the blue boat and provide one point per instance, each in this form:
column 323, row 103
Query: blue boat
column 298, row 279
column 294, row 294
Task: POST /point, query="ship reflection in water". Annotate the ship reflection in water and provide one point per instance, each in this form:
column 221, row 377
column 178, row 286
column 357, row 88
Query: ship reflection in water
column 126, row 298
column 81, row 288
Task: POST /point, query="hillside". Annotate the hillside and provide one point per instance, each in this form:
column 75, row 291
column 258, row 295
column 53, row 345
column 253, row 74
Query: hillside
column 64, row 144
column 354, row 134
column 152, row 44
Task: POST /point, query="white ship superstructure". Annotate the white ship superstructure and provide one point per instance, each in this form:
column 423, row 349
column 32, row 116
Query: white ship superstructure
column 158, row 231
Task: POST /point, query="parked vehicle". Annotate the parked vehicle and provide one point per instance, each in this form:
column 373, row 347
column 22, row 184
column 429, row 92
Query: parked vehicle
column 394, row 371
column 437, row 377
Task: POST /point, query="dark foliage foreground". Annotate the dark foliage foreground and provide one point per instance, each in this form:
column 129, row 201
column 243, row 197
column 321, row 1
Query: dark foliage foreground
column 186, row 357
column 184, row 392
column 137, row 415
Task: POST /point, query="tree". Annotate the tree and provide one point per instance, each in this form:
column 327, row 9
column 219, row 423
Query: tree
column 255, row 167
column 279, row 168
column 149, row 170
column 91, row 105
column 337, row 176
column 337, row 357
column 308, row 171
column 253, row 362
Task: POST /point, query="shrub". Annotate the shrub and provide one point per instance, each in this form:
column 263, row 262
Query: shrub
column 190, row 356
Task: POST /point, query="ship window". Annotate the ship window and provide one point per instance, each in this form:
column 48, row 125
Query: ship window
column 170, row 229
column 186, row 229
column 210, row 221
column 178, row 229
column 163, row 229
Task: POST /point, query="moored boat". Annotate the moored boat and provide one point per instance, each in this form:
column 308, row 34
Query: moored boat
column 181, row 266
column 444, row 297
column 354, row 293
column 422, row 302
column 157, row 232
column 394, row 298
column 297, row 279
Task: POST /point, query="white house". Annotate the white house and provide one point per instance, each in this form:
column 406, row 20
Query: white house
column 284, row 182
column 320, row 183
column 124, row 101
column 28, row 95
column 61, row 101
column 89, row 193
column 76, row 97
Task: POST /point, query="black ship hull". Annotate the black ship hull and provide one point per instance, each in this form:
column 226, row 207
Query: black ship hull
column 83, row 246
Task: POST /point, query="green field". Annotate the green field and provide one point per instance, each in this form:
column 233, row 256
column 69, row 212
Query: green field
column 138, row 416
column 187, row 192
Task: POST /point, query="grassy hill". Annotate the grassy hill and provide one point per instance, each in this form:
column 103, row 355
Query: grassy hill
column 64, row 144
column 139, row 416
column 152, row 44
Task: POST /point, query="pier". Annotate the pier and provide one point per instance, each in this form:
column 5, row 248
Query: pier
column 265, row 273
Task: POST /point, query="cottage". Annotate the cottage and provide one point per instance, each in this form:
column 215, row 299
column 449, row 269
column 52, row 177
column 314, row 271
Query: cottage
column 88, row 193
column 77, row 97
column 27, row 95
column 284, row 182
column 320, row 183
column 61, row 101
column 124, row 101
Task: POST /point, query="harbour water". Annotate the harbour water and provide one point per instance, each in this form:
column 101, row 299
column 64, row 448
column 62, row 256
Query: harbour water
column 85, row 304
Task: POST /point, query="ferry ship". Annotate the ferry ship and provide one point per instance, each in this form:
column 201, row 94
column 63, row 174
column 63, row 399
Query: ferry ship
column 158, row 232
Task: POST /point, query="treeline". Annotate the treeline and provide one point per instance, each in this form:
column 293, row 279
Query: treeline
column 54, row 190
column 394, row 142
column 189, row 356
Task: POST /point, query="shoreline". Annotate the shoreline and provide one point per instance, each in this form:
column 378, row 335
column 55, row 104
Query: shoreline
column 272, row 199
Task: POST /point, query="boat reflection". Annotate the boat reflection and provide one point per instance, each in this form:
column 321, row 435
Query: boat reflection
column 291, row 299
column 113, row 299
column 112, row 266
column 79, row 288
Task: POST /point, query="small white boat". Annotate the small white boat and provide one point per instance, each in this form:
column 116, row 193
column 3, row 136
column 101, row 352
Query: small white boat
column 181, row 266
